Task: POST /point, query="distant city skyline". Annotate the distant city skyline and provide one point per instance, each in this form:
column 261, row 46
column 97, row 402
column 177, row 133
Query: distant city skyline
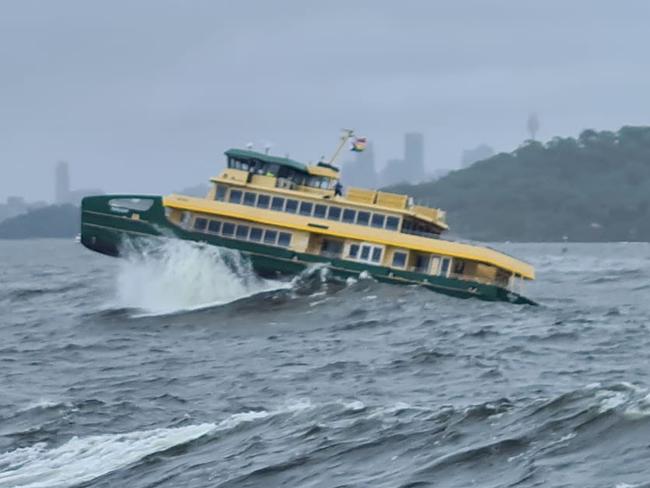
column 146, row 96
column 62, row 189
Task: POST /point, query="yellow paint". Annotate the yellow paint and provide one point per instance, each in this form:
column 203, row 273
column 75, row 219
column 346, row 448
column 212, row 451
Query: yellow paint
column 322, row 171
column 350, row 231
column 357, row 198
column 392, row 200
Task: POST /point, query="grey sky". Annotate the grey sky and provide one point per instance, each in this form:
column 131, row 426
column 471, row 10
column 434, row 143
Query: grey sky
column 144, row 96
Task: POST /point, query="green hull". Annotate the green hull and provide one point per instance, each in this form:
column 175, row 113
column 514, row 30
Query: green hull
column 105, row 229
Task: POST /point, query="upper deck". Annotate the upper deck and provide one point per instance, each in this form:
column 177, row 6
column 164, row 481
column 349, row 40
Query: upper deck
column 317, row 183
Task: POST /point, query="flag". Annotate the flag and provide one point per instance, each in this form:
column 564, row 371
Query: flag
column 359, row 144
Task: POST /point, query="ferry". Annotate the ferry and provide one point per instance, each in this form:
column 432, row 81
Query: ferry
column 285, row 216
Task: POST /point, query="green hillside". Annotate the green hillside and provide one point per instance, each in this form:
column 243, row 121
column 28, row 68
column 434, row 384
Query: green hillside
column 593, row 188
column 52, row 221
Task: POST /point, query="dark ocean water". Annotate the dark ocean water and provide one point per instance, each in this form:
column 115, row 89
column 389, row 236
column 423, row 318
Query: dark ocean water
column 182, row 369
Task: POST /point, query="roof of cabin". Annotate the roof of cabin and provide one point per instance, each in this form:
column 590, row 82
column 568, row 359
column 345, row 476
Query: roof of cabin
column 266, row 158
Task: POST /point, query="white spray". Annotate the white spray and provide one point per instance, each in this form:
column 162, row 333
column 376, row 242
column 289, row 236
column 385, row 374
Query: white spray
column 179, row 275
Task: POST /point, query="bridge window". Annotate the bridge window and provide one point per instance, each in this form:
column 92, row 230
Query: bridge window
column 235, row 196
column 214, row 226
column 263, row 201
column 349, row 216
column 228, row 229
column 200, row 223
column 319, row 211
column 249, row 198
column 284, row 239
column 277, row 203
column 306, row 208
column 378, row 220
column 392, row 223
column 256, row 234
column 363, row 218
column 292, row 206
column 334, row 213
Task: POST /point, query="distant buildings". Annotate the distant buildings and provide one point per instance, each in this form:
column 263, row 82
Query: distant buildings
column 61, row 183
column 480, row 152
column 62, row 192
column 16, row 206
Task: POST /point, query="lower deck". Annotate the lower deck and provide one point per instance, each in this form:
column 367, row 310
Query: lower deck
column 273, row 249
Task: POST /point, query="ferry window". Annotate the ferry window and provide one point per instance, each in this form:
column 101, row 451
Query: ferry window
column 365, row 252
column 242, row 231
column 399, row 259
column 235, row 196
column 319, row 211
column 270, row 236
column 263, row 201
column 200, row 224
column 354, row 250
column 221, row 193
column 459, row 267
column 292, row 206
column 392, row 223
column 306, row 208
column 378, row 220
column 376, row 254
column 331, row 248
column 444, row 266
column 249, row 199
column 334, row 213
column 284, row 239
column 363, row 218
column 228, row 229
column 256, row 234
column 214, row 226
column 277, row 203
column 349, row 215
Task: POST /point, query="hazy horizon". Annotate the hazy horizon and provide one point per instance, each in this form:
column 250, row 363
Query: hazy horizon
column 145, row 96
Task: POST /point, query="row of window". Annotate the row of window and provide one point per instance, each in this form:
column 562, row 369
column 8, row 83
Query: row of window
column 309, row 209
column 243, row 232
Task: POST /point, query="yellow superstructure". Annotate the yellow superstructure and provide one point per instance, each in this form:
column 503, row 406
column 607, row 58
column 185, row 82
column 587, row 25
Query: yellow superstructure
column 279, row 202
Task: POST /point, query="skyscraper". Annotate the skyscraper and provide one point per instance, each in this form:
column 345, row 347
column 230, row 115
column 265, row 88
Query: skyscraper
column 414, row 156
column 61, row 182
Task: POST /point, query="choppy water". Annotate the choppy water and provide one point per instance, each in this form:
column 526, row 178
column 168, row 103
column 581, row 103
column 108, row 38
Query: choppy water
column 183, row 369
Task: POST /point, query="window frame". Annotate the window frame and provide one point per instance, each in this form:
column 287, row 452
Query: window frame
column 378, row 216
column 246, row 193
column 286, row 205
column 223, row 229
column 305, row 204
column 274, row 199
column 268, row 232
column 363, row 212
column 235, row 192
column 218, row 224
column 262, row 197
column 348, row 211
column 405, row 258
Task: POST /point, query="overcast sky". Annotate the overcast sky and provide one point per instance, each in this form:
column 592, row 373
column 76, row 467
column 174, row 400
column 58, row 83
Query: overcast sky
column 145, row 95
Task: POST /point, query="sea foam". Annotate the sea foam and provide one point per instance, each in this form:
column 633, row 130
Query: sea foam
column 178, row 276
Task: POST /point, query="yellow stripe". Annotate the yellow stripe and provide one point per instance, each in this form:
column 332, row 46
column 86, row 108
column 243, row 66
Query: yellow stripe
column 351, row 231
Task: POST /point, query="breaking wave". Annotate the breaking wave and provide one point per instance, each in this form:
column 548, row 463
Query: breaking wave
column 178, row 276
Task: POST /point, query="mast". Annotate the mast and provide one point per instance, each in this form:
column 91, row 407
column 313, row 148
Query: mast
column 345, row 137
